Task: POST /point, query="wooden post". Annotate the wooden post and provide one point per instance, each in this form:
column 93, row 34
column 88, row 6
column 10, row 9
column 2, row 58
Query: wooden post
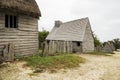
column 53, row 47
column 68, row 46
column 64, row 47
column 11, row 52
column 5, row 52
column 49, row 48
column 45, row 49
column 71, row 47
column 60, row 48
column 8, row 52
column 56, row 46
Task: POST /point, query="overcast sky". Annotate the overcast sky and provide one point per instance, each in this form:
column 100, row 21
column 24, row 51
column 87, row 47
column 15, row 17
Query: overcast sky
column 104, row 15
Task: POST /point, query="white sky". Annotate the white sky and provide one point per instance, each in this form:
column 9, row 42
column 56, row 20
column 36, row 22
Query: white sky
column 104, row 15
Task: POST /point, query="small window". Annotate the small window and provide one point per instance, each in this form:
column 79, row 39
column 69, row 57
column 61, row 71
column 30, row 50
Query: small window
column 10, row 21
column 78, row 43
column 48, row 41
column 6, row 21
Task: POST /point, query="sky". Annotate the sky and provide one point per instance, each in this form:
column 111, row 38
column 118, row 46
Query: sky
column 104, row 15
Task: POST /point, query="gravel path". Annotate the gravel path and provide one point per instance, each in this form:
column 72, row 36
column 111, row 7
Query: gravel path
column 96, row 68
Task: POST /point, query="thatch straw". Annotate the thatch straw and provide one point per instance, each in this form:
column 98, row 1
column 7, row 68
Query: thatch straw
column 27, row 7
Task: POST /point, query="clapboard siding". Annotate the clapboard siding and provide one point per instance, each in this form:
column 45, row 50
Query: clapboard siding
column 14, row 37
column 1, row 47
column 25, row 23
column 19, row 42
column 88, row 42
column 2, row 21
column 27, row 47
column 21, row 33
column 25, row 37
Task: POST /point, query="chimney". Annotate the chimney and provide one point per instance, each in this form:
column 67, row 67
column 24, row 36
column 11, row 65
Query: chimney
column 58, row 23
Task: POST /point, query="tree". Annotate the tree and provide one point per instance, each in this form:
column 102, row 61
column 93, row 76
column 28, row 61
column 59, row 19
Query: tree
column 42, row 36
column 97, row 41
column 116, row 43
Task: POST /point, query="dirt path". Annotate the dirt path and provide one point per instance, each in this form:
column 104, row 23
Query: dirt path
column 97, row 68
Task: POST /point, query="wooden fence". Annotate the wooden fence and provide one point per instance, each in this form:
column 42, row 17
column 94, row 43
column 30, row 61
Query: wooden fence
column 52, row 47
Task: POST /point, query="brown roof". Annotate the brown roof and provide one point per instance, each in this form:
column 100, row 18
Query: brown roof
column 26, row 7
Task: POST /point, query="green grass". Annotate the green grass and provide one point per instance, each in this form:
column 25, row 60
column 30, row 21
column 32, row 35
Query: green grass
column 53, row 62
column 99, row 53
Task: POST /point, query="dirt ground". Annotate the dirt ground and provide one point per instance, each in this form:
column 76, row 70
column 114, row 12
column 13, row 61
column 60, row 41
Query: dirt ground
column 96, row 68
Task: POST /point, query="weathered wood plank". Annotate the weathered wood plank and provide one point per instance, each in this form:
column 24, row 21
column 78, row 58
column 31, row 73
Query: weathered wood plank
column 25, row 37
column 28, row 19
column 22, row 40
column 27, row 23
column 27, row 47
column 1, row 46
column 59, row 47
column 14, row 37
column 17, row 31
column 27, row 27
column 11, row 52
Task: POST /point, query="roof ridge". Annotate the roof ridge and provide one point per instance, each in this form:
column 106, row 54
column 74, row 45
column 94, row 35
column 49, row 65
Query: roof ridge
column 86, row 18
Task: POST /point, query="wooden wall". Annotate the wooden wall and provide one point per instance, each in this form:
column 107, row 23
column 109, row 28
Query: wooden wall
column 25, row 37
column 88, row 42
column 52, row 47
column 76, row 48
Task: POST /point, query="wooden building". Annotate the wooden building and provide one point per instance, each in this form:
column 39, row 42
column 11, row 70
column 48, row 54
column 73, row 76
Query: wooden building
column 18, row 27
column 108, row 47
column 70, row 37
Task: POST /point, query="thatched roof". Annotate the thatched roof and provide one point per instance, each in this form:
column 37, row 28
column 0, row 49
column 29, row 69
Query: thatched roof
column 26, row 7
column 69, row 31
column 108, row 47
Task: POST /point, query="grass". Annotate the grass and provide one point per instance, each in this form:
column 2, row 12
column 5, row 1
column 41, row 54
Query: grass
column 31, row 74
column 99, row 53
column 53, row 63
